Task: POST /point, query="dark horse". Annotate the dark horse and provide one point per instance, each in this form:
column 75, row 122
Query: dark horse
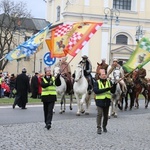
column 138, row 89
column 129, row 94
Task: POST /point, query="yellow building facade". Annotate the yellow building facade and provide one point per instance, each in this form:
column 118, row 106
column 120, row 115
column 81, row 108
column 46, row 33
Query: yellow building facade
column 111, row 40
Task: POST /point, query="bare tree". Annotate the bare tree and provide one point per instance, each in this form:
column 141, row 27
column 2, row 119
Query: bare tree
column 11, row 19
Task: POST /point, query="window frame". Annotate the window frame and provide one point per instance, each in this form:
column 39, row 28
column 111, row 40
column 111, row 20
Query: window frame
column 122, row 4
column 118, row 37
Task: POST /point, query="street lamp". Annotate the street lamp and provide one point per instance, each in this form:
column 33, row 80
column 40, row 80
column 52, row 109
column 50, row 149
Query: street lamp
column 139, row 33
column 112, row 13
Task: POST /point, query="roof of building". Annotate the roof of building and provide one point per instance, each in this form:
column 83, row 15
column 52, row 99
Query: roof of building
column 35, row 24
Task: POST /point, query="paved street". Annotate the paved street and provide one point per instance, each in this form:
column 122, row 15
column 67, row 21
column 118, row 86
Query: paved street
column 130, row 131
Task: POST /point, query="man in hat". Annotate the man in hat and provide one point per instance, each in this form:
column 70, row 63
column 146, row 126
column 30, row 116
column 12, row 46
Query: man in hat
column 111, row 69
column 87, row 67
column 22, row 88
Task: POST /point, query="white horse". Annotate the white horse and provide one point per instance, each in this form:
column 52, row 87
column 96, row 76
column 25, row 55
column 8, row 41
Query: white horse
column 61, row 90
column 80, row 87
column 116, row 97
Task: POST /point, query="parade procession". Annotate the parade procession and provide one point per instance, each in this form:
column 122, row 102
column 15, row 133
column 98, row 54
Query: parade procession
column 73, row 78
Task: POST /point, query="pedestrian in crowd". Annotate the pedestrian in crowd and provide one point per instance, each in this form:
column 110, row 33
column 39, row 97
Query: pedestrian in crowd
column 1, row 77
column 48, row 96
column 103, row 88
column 39, row 85
column 34, row 85
column 12, row 82
column 22, row 88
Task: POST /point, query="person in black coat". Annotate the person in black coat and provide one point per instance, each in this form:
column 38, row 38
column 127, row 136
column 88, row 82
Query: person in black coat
column 22, row 88
column 34, row 85
column 12, row 83
column 103, row 88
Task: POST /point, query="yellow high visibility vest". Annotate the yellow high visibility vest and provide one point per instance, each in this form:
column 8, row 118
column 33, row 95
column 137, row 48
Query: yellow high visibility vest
column 106, row 94
column 50, row 90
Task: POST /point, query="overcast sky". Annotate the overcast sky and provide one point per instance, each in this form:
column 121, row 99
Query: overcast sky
column 37, row 7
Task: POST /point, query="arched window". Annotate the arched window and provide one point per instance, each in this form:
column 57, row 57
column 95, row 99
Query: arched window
column 122, row 39
column 58, row 13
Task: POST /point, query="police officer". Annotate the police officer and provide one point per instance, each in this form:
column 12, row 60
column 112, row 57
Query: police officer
column 48, row 96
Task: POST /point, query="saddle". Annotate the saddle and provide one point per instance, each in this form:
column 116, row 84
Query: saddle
column 69, row 84
column 90, row 84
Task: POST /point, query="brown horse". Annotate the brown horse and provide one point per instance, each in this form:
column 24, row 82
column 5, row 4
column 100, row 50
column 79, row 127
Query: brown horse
column 130, row 90
column 97, row 71
column 138, row 89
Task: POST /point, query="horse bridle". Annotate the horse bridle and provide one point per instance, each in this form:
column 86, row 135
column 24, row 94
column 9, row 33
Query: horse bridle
column 81, row 75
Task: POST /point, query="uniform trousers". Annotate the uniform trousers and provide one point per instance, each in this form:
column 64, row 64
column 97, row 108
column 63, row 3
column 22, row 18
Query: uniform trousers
column 102, row 112
column 48, row 112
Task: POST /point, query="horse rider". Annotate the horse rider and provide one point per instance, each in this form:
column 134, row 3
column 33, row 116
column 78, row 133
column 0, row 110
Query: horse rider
column 102, row 65
column 112, row 68
column 87, row 67
column 66, row 73
column 142, row 75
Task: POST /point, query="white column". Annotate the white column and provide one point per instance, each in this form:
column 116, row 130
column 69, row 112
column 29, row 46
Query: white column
column 105, row 48
column 86, row 2
column 106, row 3
column 142, row 5
column 134, row 5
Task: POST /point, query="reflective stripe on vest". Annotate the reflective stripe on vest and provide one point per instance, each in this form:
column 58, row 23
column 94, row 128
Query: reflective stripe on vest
column 50, row 90
column 106, row 94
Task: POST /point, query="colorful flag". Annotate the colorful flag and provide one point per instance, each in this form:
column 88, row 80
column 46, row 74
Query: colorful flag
column 140, row 56
column 71, row 38
column 30, row 46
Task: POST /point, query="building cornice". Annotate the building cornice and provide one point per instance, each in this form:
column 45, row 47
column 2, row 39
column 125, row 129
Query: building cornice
column 101, row 17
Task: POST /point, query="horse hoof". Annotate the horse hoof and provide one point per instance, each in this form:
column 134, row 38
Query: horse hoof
column 77, row 114
column 70, row 108
column 109, row 117
column 115, row 116
column 86, row 113
column 60, row 112
column 83, row 111
column 63, row 111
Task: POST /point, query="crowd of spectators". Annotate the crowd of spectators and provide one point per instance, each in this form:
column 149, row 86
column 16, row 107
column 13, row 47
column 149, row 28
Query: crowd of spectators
column 8, row 81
